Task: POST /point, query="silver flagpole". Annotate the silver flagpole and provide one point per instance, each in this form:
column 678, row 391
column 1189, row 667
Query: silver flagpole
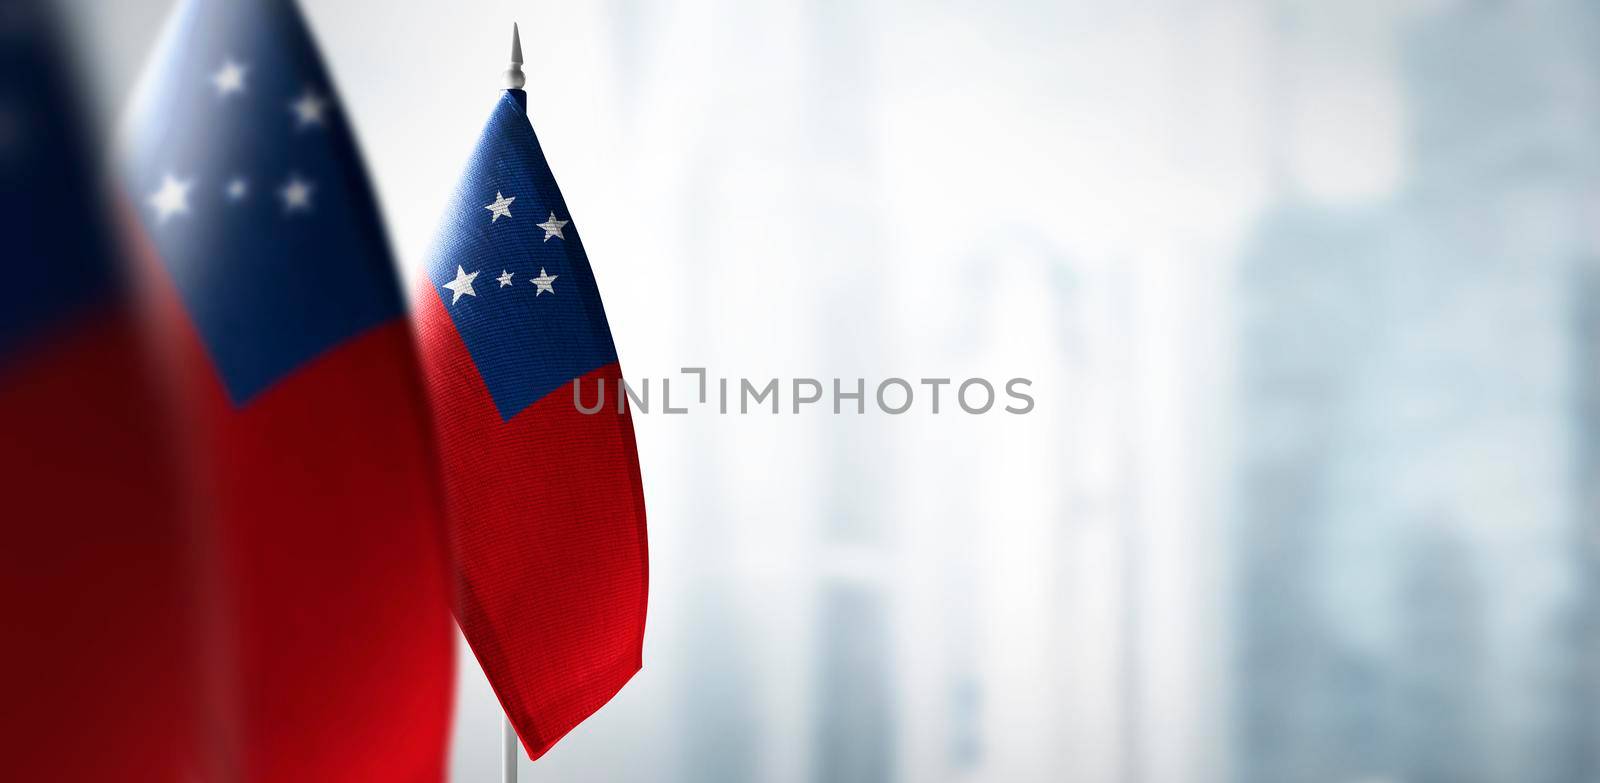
column 513, row 75
column 508, row 751
column 510, row 746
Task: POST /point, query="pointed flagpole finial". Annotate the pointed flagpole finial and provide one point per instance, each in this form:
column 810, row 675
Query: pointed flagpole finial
column 514, row 77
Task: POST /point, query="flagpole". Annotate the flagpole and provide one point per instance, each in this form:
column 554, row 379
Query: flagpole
column 513, row 75
column 508, row 751
column 509, row 744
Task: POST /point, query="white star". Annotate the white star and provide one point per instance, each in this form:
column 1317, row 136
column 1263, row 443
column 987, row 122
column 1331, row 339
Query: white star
column 171, row 199
column 229, row 78
column 505, row 279
column 237, row 189
column 296, row 194
column 552, row 228
column 546, row 282
column 308, row 109
column 462, row 284
column 501, row 206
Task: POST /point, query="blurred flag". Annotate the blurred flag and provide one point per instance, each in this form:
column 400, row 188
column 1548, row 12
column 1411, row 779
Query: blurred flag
column 545, row 504
column 101, row 632
column 273, row 284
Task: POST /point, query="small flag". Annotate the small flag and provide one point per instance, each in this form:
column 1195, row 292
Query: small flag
column 544, row 503
column 102, row 630
column 276, row 293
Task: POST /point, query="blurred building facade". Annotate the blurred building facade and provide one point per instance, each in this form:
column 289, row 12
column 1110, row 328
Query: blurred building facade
column 1413, row 459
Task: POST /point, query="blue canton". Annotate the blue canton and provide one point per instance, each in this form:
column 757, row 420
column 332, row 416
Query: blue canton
column 511, row 271
column 50, row 208
column 250, row 186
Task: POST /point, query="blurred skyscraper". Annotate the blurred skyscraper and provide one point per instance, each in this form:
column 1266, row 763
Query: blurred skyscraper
column 855, row 721
column 1414, row 454
column 1578, row 681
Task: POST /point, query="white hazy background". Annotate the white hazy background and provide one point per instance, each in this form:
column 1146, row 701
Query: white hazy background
column 1302, row 289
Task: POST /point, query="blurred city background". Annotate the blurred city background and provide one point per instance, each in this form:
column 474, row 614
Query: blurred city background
column 1309, row 293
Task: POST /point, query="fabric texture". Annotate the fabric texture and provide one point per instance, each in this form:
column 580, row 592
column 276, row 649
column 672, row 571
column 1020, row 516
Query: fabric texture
column 545, row 505
column 272, row 288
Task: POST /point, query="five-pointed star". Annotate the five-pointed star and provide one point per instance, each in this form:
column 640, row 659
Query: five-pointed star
column 545, row 282
column 501, row 206
column 308, row 109
column 505, row 279
column 229, row 78
column 171, row 199
column 552, row 228
column 461, row 285
column 237, row 189
column 296, row 194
